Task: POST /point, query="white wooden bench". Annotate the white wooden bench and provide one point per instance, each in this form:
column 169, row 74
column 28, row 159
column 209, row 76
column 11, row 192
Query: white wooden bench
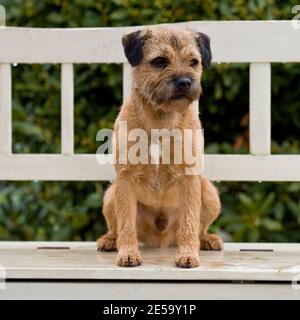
column 75, row 270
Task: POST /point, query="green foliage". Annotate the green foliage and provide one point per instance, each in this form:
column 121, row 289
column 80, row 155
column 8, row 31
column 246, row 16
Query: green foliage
column 51, row 211
column 72, row 211
column 261, row 211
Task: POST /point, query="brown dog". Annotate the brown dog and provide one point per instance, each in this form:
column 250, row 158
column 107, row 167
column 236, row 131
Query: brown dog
column 158, row 204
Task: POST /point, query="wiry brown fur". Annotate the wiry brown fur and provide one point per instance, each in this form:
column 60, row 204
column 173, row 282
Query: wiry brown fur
column 160, row 204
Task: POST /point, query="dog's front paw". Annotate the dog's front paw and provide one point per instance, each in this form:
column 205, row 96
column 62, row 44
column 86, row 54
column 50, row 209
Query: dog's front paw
column 187, row 260
column 129, row 258
column 107, row 243
column 211, row 242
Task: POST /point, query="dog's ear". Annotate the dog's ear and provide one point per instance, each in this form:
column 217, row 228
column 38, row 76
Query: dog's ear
column 133, row 45
column 203, row 42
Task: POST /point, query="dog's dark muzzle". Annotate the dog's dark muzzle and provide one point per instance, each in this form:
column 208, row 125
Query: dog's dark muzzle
column 183, row 86
column 183, row 83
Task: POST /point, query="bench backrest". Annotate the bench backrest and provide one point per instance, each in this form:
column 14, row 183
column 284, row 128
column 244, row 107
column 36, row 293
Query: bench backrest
column 258, row 43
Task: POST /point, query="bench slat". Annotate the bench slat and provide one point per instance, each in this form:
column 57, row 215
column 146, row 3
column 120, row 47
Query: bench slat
column 85, row 167
column 67, row 109
column 232, row 41
column 5, row 109
column 127, row 80
column 260, row 108
column 124, row 290
column 85, row 263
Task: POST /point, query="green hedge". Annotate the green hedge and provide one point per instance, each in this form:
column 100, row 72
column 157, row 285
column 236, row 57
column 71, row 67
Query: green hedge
column 72, row 211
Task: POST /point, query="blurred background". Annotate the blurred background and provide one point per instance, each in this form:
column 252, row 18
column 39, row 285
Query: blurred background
column 72, row 210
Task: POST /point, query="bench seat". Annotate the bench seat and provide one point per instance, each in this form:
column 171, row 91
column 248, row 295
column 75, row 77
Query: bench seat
column 56, row 270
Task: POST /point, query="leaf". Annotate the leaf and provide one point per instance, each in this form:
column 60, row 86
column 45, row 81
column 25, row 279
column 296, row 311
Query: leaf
column 271, row 225
column 245, row 200
column 94, row 200
column 27, row 129
column 267, row 203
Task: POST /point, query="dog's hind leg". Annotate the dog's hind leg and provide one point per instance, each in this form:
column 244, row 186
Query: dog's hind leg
column 108, row 241
column 210, row 210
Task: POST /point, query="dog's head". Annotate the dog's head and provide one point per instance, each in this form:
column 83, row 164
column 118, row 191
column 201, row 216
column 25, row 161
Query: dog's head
column 168, row 65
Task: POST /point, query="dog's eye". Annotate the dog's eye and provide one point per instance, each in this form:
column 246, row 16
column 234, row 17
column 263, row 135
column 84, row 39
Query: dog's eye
column 194, row 62
column 159, row 62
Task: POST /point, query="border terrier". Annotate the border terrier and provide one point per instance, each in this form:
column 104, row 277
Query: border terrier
column 160, row 205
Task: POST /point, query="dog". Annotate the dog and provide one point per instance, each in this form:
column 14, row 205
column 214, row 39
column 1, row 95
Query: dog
column 160, row 204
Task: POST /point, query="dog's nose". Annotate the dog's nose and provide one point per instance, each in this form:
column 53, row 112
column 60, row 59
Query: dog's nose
column 183, row 82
